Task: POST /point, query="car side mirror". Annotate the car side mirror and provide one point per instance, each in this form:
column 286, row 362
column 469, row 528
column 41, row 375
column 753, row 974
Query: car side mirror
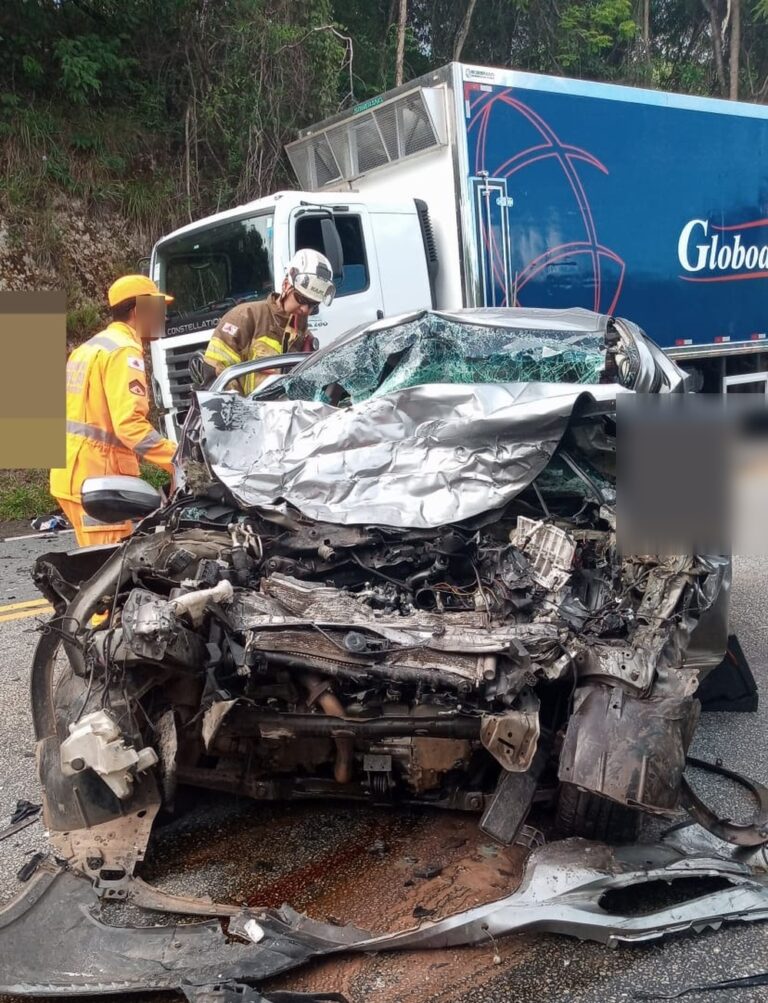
column 117, row 498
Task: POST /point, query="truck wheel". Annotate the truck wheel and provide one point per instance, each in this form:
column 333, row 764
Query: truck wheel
column 581, row 813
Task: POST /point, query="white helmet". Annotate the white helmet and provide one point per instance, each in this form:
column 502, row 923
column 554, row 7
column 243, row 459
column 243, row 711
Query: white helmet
column 311, row 275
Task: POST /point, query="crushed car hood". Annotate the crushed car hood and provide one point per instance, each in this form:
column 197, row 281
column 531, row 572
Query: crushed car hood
column 443, row 416
column 417, row 458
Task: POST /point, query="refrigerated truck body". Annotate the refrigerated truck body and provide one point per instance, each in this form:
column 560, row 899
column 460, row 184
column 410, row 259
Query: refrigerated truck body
column 474, row 186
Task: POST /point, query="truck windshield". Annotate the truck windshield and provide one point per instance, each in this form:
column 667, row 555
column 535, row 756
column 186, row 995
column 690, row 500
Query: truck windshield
column 212, row 268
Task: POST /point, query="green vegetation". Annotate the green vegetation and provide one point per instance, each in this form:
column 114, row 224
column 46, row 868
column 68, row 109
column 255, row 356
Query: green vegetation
column 161, row 111
column 86, row 319
column 154, row 475
column 168, row 109
column 24, row 494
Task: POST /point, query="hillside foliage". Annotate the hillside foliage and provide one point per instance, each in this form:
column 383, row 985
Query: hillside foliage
column 146, row 114
column 121, row 119
column 167, row 109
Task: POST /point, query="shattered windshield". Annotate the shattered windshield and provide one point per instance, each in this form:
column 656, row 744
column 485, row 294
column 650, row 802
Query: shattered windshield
column 435, row 349
column 214, row 267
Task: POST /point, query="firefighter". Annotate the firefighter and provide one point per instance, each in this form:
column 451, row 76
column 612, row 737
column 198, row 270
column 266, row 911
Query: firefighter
column 276, row 325
column 108, row 427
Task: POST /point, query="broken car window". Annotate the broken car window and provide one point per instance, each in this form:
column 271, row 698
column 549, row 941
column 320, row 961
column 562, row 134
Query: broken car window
column 434, row 349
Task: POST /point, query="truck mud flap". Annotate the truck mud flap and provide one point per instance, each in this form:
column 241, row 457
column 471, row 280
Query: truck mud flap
column 731, row 686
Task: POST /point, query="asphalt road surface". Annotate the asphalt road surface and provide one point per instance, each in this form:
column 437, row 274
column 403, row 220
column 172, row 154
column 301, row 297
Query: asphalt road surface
column 376, row 867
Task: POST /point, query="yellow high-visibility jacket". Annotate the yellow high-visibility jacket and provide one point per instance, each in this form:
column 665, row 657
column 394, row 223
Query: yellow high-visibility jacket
column 108, row 427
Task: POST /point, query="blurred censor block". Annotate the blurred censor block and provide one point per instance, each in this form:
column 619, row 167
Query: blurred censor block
column 32, row 402
column 692, row 474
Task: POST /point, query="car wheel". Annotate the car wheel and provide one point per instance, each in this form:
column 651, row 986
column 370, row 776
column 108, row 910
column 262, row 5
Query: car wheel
column 582, row 813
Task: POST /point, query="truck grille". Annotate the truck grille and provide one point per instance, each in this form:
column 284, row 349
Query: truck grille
column 177, row 362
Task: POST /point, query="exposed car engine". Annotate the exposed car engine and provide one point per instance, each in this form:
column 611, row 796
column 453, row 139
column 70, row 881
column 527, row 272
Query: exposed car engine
column 243, row 645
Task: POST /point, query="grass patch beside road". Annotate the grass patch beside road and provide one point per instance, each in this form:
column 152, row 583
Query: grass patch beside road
column 24, row 493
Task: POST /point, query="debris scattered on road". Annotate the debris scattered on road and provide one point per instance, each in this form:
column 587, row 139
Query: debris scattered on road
column 753, row 833
column 573, row 887
column 98, row 958
column 28, row 869
column 236, row 992
column 566, row 882
column 744, row 982
column 24, row 815
column 24, row 809
column 50, row 523
column 428, row 872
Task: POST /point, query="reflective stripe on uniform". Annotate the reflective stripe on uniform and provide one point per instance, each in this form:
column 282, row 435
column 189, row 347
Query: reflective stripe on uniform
column 272, row 342
column 213, row 354
column 221, row 351
column 150, row 439
column 93, row 433
column 89, row 520
column 106, row 417
column 104, row 341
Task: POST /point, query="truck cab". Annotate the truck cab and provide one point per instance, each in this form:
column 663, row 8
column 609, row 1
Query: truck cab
column 378, row 250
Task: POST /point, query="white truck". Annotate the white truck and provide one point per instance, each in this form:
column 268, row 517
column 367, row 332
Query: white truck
column 473, row 186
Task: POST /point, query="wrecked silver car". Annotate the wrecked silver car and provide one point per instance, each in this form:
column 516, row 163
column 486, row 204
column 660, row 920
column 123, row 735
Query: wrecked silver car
column 390, row 575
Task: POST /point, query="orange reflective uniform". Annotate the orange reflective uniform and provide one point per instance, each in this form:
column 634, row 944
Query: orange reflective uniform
column 108, row 426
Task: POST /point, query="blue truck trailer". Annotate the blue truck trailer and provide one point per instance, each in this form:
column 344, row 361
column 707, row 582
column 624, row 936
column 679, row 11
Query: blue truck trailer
column 474, row 186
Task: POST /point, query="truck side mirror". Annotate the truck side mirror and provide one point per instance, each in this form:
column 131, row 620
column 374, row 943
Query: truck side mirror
column 142, row 266
column 332, row 245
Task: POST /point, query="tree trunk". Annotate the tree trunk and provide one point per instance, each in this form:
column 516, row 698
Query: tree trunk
column 647, row 29
column 717, row 47
column 464, row 30
column 385, row 46
column 735, row 49
column 643, row 47
column 400, row 57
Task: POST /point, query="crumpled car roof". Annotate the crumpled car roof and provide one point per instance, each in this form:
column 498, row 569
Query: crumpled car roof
column 446, row 416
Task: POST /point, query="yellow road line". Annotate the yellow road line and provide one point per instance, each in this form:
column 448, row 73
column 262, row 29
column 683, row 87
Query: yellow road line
column 39, row 611
column 23, row 605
